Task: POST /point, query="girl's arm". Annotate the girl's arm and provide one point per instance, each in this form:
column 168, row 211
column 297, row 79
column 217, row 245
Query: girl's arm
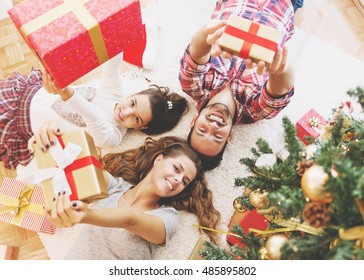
column 103, row 132
column 111, row 75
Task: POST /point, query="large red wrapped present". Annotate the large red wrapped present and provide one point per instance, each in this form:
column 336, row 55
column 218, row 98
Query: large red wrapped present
column 21, row 204
column 71, row 38
column 312, row 124
column 246, row 38
column 72, row 165
column 246, row 220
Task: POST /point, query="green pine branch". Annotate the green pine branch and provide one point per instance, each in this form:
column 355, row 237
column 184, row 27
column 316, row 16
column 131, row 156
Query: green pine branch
column 341, row 153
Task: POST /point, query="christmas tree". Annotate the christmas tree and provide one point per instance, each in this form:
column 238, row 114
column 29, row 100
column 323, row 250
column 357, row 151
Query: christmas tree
column 312, row 196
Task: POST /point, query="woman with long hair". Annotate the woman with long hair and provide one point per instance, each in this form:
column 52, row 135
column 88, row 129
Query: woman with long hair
column 147, row 186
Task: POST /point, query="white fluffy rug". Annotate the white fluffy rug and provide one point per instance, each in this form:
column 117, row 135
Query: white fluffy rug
column 323, row 75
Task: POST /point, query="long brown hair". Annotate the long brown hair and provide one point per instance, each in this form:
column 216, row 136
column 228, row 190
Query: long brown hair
column 133, row 165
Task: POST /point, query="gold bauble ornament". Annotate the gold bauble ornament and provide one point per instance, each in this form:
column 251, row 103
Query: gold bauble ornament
column 258, row 199
column 274, row 245
column 263, row 253
column 312, row 183
column 238, row 206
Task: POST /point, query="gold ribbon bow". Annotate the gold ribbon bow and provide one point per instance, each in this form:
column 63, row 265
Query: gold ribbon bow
column 13, row 207
column 18, row 206
column 313, row 122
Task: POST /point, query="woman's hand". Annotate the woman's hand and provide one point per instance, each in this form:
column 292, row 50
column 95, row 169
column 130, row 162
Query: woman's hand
column 52, row 88
column 66, row 213
column 45, row 137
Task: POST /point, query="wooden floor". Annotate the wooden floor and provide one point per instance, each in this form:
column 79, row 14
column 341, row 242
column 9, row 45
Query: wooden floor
column 337, row 22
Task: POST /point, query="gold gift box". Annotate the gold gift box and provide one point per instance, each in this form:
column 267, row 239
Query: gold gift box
column 88, row 180
column 246, row 38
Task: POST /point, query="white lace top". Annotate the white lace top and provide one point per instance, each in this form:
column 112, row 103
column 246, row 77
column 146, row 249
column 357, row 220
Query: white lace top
column 97, row 113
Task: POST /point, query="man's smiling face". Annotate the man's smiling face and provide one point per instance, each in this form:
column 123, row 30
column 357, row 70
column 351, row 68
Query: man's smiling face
column 211, row 129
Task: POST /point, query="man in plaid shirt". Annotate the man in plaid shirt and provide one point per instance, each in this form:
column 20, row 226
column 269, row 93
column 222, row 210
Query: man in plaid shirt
column 227, row 89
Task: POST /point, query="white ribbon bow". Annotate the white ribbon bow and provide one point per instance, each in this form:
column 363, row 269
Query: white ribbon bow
column 63, row 157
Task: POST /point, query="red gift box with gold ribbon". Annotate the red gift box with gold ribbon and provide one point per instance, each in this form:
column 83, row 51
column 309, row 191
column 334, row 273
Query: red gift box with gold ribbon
column 71, row 38
column 311, row 124
column 22, row 203
column 73, row 166
column 248, row 39
column 247, row 220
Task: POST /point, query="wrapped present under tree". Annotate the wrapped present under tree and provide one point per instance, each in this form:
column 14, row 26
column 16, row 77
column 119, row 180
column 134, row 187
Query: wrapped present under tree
column 310, row 126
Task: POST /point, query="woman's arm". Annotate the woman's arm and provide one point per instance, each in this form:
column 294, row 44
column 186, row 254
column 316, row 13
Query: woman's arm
column 66, row 213
column 149, row 227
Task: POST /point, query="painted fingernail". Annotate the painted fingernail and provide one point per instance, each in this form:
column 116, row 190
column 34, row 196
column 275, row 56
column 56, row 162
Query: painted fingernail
column 59, row 194
column 64, row 192
column 58, row 130
column 43, row 149
column 52, row 143
column 47, row 146
column 74, row 204
column 54, row 199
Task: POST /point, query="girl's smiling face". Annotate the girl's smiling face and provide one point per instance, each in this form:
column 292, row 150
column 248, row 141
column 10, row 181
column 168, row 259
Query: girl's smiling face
column 134, row 111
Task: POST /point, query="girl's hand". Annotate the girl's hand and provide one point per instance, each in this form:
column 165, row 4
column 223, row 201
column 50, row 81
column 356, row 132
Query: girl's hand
column 45, row 137
column 66, row 213
column 52, row 88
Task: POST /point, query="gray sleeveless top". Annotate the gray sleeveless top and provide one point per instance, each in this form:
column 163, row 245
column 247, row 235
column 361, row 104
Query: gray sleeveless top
column 101, row 243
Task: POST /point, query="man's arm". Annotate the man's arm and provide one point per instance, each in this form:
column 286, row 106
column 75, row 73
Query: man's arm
column 281, row 75
column 203, row 42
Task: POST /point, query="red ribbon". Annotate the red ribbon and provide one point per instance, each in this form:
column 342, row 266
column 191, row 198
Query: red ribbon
column 250, row 38
column 77, row 164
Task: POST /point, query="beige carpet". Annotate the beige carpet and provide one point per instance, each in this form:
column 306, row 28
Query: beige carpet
column 323, row 75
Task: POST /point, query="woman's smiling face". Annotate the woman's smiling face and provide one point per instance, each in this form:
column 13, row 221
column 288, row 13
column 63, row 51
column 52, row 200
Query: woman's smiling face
column 133, row 111
column 171, row 175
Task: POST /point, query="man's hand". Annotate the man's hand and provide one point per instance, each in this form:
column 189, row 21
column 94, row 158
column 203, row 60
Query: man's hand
column 204, row 42
column 277, row 67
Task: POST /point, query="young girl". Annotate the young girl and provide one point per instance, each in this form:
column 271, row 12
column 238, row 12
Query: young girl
column 101, row 109
column 164, row 176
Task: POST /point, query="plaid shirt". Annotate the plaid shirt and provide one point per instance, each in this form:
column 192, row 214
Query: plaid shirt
column 16, row 94
column 253, row 103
